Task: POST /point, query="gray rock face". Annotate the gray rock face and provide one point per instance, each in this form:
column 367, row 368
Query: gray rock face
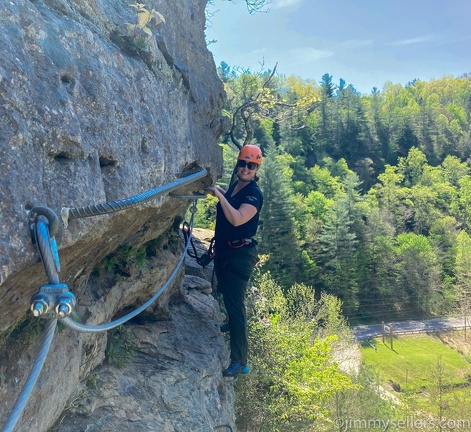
column 92, row 114
column 172, row 383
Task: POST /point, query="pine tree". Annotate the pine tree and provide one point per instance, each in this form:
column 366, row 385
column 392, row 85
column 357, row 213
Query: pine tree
column 339, row 257
column 418, row 273
column 463, row 274
column 277, row 228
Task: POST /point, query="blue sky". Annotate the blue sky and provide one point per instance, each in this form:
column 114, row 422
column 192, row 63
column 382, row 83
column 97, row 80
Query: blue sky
column 365, row 42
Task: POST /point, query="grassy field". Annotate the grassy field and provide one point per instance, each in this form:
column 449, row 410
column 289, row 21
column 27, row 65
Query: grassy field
column 417, row 364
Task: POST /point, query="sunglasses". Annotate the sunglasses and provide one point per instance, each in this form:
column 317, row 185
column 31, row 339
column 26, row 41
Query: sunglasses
column 250, row 165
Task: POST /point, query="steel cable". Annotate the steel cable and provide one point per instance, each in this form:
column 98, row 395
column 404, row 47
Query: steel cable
column 44, row 245
column 41, row 236
column 43, row 217
column 115, row 206
column 20, row 404
column 113, row 324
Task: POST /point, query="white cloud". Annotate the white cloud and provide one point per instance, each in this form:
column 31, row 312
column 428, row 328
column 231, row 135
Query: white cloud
column 412, row 41
column 356, row 43
column 307, row 54
column 280, row 4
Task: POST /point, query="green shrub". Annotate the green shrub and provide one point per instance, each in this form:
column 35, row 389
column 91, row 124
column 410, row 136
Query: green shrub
column 121, row 346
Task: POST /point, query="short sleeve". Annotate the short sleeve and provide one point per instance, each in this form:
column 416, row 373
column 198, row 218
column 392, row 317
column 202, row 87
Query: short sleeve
column 253, row 197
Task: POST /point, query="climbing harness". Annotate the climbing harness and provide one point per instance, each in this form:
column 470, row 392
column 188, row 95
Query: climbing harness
column 207, row 256
column 236, row 244
column 54, row 300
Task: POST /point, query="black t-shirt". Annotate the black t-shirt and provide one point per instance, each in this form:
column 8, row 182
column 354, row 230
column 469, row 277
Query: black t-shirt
column 225, row 231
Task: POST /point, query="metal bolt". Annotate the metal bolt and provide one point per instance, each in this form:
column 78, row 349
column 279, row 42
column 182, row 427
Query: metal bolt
column 39, row 308
column 65, row 304
column 63, row 310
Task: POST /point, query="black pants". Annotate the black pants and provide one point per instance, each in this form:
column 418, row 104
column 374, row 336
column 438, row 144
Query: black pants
column 233, row 269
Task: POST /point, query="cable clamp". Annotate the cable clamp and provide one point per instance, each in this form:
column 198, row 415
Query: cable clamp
column 53, row 301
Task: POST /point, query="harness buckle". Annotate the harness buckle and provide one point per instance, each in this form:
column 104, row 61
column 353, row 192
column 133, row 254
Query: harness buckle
column 235, row 244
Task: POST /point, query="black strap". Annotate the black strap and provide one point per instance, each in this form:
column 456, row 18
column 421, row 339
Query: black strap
column 206, row 257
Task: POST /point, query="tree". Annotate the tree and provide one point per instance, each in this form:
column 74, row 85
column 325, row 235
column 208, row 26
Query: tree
column 296, row 376
column 393, row 128
column 225, row 72
column 390, row 196
column 379, row 259
column 252, row 97
column 257, row 6
column 412, row 166
column 365, row 401
column 277, row 228
column 454, row 170
column 379, row 132
column 464, row 197
column 352, row 130
column 439, row 391
column 418, row 273
column 253, row 6
column 424, row 201
column 339, row 256
column 443, row 237
column 463, row 274
column 326, row 131
column 351, row 186
column 321, row 180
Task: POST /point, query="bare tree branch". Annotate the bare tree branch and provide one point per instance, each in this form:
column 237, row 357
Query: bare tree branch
column 259, row 104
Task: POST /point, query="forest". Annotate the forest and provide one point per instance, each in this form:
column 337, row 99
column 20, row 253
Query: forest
column 366, row 218
column 367, row 197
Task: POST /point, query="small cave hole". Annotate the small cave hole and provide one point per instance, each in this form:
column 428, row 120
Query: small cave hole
column 144, row 146
column 67, row 79
column 62, row 156
column 106, row 161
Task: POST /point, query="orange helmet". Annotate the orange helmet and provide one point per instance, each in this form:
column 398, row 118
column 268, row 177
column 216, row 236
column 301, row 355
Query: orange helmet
column 251, row 153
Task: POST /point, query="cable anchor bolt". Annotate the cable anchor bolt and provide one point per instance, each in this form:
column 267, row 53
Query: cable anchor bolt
column 53, row 301
column 65, row 304
column 40, row 304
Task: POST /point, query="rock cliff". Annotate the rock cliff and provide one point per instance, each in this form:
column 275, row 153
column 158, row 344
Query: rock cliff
column 92, row 112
